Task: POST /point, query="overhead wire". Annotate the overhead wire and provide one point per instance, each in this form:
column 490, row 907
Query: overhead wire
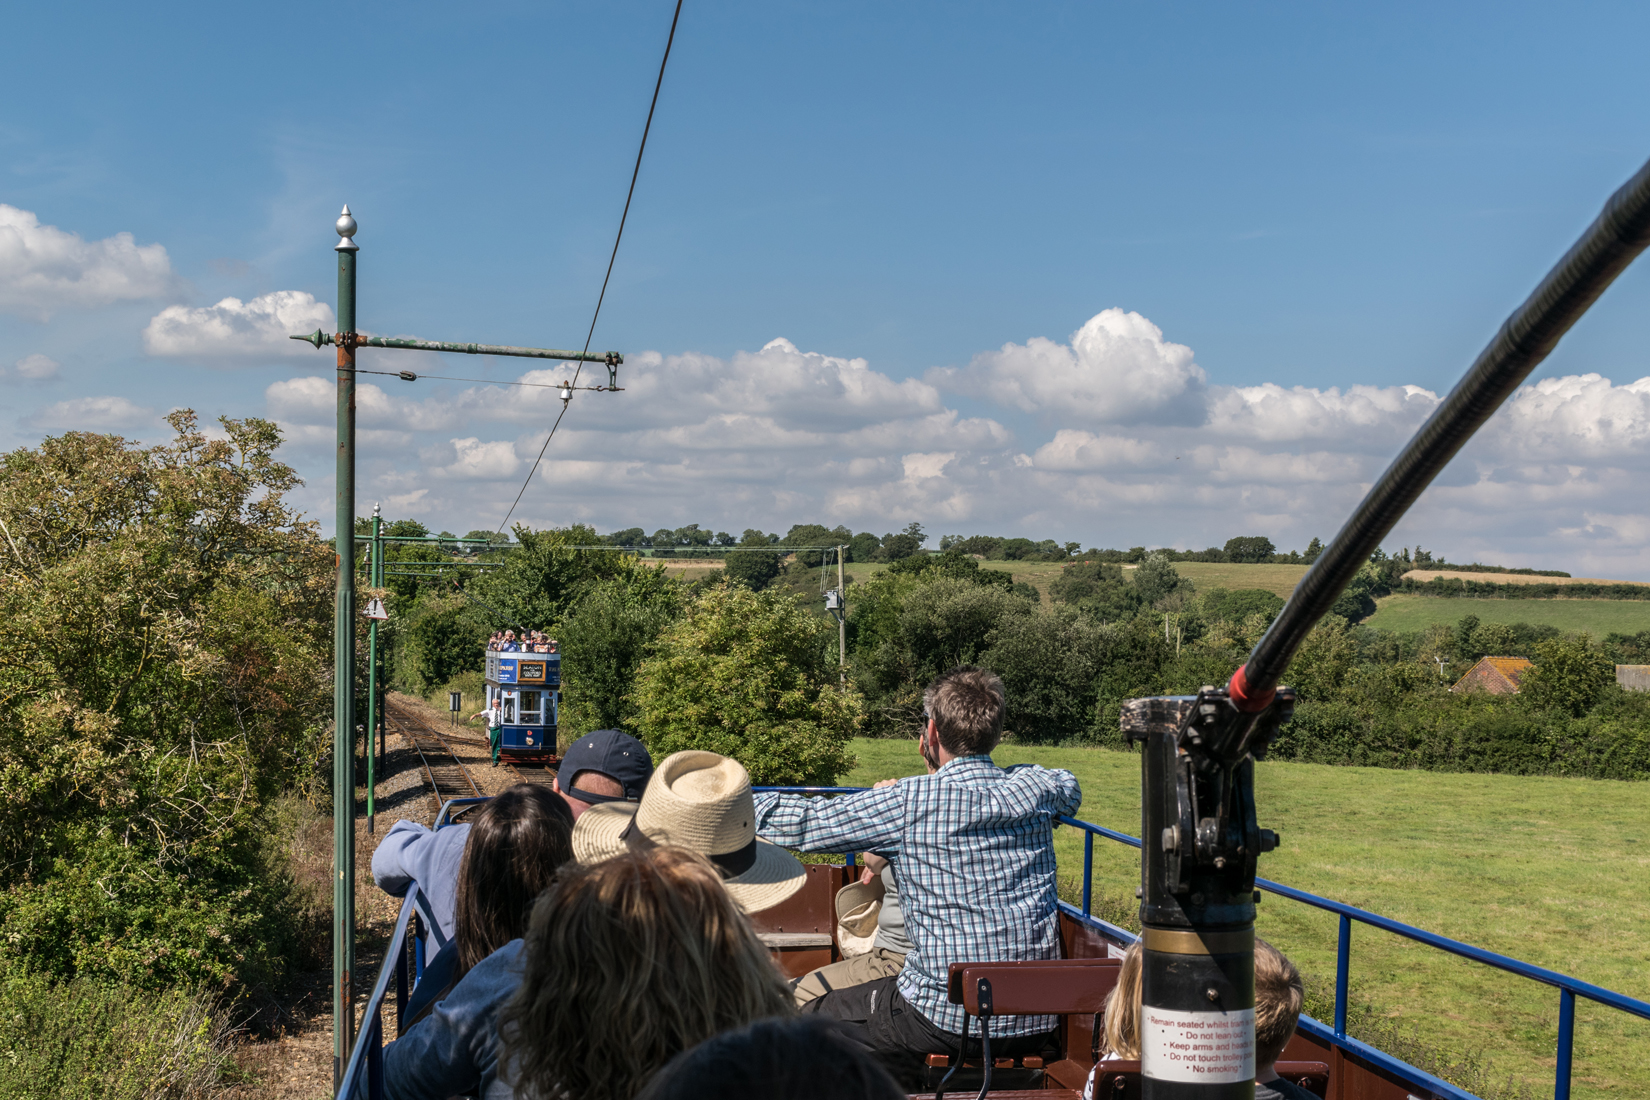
column 600, row 298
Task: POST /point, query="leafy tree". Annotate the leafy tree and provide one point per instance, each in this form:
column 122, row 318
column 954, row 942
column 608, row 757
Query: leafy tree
column 1098, row 588
column 1157, row 579
column 754, row 568
column 604, row 639
column 1051, row 666
column 440, row 637
column 863, row 546
column 540, row 578
column 164, row 616
column 1250, row 548
column 1313, row 549
column 1325, row 659
column 903, row 545
column 814, row 534
column 749, row 675
column 492, row 538
column 1570, row 675
column 630, row 536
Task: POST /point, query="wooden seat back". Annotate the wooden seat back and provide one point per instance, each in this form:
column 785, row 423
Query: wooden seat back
column 1052, row 987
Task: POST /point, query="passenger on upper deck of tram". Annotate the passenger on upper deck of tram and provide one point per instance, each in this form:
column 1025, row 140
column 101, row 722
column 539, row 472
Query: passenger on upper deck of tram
column 696, row 800
column 973, row 854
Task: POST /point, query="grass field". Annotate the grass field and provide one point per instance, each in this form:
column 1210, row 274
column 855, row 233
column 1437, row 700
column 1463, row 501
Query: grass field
column 1553, row 871
column 1598, row 617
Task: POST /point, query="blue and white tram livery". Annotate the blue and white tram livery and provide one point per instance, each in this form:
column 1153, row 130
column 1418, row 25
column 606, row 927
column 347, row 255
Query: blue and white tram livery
column 529, row 687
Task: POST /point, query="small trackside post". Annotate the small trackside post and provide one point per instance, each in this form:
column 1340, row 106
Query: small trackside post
column 374, row 577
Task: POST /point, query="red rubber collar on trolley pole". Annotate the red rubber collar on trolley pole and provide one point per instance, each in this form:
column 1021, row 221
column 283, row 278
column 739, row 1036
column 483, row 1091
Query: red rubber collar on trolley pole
column 1243, row 698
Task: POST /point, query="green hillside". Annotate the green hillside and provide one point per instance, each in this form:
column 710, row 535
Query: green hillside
column 1547, row 870
column 1597, row 617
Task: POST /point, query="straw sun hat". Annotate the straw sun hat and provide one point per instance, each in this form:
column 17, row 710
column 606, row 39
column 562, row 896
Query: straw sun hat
column 700, row 801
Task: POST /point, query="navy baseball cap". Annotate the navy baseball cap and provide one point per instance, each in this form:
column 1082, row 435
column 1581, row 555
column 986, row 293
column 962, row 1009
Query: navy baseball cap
column 614, row 754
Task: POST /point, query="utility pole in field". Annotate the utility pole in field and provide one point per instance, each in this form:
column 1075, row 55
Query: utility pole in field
column 836, row 602
column 346, row 340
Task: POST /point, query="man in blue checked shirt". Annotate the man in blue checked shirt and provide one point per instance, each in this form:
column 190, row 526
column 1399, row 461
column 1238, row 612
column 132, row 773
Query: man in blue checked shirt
column 973, row 848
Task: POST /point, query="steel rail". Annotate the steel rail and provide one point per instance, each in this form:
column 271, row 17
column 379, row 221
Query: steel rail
column 1613, row 241
column 416, row 732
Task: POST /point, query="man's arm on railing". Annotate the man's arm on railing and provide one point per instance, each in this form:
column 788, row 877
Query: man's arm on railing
column 849, row 823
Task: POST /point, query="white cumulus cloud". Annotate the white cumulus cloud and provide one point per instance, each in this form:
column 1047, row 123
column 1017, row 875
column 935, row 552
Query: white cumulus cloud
column 1116, row 367
column 93, row 414
column 33, row 368
column 1166, row 456
column 233, row 329
column 44, row 269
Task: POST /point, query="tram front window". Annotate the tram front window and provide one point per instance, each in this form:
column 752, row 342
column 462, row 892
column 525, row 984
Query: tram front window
column 509, row 708
column 532, row 708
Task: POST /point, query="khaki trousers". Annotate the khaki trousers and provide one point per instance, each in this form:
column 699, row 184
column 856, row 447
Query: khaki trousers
column 878, row 963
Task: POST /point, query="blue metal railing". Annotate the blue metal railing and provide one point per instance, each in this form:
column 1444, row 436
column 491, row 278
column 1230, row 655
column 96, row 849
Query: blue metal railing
column 368, row 1055
column 1569, row 988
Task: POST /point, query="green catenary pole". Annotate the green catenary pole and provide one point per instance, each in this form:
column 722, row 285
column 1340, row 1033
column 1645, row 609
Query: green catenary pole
column 377, row 683
column 375, row 567
column 343, row 684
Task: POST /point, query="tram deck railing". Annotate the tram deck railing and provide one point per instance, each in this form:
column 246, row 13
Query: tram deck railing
column 364, row 1073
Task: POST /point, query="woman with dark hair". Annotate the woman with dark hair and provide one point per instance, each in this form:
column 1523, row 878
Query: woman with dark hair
column 519, row 840
column 511, row 849
column 803, row 1058
column 629, row 962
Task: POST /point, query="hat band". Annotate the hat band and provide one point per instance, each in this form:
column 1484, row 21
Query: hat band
column 728, row 864
column 596, row 799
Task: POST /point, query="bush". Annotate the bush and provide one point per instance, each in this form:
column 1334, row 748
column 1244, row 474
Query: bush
column 753, row 676
column 955, row 565
column 1437, row 731
column 1570, row 675
column 1235, row 605
column 164, row 616
column 82, row 1040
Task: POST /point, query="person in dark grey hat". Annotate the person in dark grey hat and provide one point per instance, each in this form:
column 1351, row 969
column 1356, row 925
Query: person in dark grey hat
column 604, row 766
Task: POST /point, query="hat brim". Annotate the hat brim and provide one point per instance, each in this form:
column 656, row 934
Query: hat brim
column 773, row 878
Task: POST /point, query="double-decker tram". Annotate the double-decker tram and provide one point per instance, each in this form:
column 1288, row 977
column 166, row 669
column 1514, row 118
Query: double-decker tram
column 527, row 687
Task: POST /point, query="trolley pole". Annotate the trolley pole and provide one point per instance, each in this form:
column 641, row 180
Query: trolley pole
column 347, row 340
column 343, row 651
column 375, row 577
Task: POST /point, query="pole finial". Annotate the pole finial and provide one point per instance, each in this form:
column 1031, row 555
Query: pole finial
column 345, row 227
column 375, row 509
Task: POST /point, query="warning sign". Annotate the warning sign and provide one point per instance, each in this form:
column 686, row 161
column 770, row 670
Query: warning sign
column 1212, row 1047
column 375, row 609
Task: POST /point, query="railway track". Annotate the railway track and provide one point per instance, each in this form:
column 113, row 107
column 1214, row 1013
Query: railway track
column 446, row 774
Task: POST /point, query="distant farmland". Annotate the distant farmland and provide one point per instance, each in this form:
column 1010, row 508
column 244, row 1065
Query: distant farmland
column 1408, row 613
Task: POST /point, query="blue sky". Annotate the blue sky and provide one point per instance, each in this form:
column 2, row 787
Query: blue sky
column 1305, row 197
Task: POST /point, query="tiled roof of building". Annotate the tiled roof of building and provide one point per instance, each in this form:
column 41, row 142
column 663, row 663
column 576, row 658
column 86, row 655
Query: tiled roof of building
column 1495, row 675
